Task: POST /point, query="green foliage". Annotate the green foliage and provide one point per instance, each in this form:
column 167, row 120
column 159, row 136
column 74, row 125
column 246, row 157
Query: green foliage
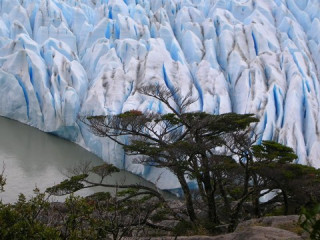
column 145, row 148
column 131, row 113
column 129, row 191
column 68, row 186
column 21, row 220
column 78, row 220
column 183, row 228
column 300, row 183
column 277, row 211
column 100, row 196
column 99, row 216
column 105, row 169
column 3, row 180
column 303, row 170
column 101, row 117
column 203, row 227
column 310, row 221
column 170, row 118
column 160, row 215
column 274, row 152
column 231, row 122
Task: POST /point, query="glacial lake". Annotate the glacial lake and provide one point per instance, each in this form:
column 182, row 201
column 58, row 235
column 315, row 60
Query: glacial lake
column 36, row 159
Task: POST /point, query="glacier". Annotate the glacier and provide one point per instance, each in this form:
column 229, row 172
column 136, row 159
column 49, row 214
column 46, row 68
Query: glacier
column 63, row 58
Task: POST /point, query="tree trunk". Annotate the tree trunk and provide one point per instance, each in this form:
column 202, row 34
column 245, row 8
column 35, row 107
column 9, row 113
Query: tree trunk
column 256, row 196
column 285, row 201
column 224, row 196
column 209, row 189
column 201, row 190
column 210, row 192
column 187, row 196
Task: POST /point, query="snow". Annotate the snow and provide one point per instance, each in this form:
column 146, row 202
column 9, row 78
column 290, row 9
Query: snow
column 63, row 58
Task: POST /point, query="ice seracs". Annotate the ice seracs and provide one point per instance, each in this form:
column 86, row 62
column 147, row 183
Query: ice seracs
column 64, row 58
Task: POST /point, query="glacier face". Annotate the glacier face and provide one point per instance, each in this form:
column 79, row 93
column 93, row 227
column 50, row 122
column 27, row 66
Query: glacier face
column 64, row 58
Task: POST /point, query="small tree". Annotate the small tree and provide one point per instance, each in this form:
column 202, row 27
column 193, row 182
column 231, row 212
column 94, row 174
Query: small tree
column 3, row 179
column 310, row 222
column 22, row 220
column 102, row 215
column 274, row 166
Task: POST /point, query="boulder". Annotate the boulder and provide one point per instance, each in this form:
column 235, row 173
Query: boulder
column 252, row 233
column 272, row 221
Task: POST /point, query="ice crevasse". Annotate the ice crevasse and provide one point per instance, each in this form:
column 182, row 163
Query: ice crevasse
column 63, row 58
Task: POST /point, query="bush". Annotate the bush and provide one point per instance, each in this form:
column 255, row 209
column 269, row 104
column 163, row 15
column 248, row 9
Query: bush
column 20, row 220
column 310, row 221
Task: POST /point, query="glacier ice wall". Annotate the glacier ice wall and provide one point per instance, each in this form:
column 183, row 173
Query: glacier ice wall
column 62, row 58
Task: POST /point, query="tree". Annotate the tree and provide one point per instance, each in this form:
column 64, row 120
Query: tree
column 187, row 144
column 22, row 219
column 258, row 170
column 3, row 179
column 217, row 152
column 101, row 215
column 274, row 166
column 310, row 222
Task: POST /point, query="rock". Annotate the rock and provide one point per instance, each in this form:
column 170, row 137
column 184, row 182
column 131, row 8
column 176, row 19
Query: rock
column 274, row 227
column 272, row 221
column 289, row 223
column 252, row 233
column 259, row 233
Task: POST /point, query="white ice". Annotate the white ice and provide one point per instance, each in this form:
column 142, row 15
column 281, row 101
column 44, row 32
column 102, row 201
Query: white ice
column 63, row 58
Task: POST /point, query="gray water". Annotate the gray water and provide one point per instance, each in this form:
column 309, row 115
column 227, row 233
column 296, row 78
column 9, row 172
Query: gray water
column 36, row 159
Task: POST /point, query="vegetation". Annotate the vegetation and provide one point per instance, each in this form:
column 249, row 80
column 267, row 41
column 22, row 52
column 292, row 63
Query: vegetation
column 129, row 211
column 21, row 220
column 184, row 143
column 218, row 153
column 310, row 221
column 3, row 179
column 99, row 216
